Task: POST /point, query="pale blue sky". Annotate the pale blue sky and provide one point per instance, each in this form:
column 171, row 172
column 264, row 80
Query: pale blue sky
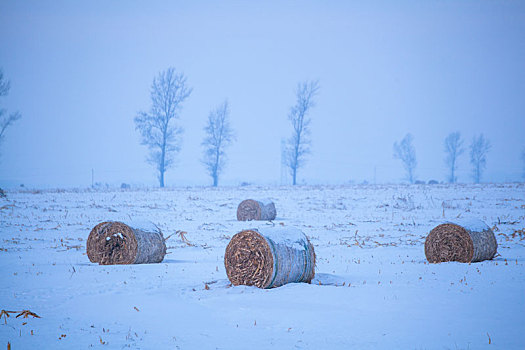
column 81, row 70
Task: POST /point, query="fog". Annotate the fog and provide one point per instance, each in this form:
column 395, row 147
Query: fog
column 81, row 71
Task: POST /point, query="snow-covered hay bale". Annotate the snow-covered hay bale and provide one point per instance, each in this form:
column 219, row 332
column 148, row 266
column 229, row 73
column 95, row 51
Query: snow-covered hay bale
column 113, row 242
column 269, row 257
column 251, row 209
column 462, row 240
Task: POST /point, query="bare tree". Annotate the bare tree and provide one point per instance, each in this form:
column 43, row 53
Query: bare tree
column 523, row 162
column 219, row 135
column 158, row 127
column 299, row 144
column 406, row 152
column 479, row 148
column 5, row 119
column 453, row 149
column 5, row 85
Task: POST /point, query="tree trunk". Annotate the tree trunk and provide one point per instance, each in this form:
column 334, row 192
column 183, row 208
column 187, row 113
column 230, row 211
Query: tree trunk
column 296, row 158
column 161, row 178
column 162, row 166
column 216, row 168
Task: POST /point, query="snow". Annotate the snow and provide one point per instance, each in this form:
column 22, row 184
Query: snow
column 472, row 224
column 265, row 201
column 143, row 225
column 373, row 287
column 114, row 235
column 288, row 236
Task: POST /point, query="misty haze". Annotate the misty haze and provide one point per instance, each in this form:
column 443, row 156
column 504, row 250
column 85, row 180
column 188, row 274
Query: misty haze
column 277, row 174
column 80, row 73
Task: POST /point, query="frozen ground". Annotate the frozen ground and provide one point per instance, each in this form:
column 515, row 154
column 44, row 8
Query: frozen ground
column 373, row 290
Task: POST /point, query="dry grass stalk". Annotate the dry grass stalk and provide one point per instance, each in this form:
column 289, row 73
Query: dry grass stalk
column 250, row 209
column 23, row 314
column 113, row 242
column 5, row 314
column 270, row 257
column 26, row 314
column 463, row 241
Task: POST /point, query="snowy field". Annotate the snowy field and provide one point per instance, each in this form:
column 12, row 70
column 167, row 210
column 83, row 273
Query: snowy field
column 373, row 287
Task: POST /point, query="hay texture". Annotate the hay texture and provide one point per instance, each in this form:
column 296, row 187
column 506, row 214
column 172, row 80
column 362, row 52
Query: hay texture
column 464, row 241
column 113, row 242
column 251, row 209
column 269, row 257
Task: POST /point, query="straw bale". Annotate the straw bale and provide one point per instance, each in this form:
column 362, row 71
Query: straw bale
column 269, row 257
column 464, row 241
column 113, row 242
column 251, row 209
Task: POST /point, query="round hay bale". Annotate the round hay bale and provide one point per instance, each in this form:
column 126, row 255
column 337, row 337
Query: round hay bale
column 113, row 242
column 269, row 257
column 251, row 209
column 463, row 241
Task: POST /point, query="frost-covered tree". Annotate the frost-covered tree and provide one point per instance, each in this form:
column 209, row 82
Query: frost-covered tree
column 453, row 149
column 219, row 135
column 479, row 148
column 298, row 145
column 5, row 119
column 5, row 85
column 158, row 127
column 523, row 162
column 406, row 152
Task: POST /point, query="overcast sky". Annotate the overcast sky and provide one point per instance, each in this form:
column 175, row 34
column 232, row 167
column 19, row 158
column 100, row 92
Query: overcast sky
column 80, row 72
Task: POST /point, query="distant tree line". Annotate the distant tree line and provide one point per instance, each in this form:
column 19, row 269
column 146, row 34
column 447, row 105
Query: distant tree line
column 479, row 148
column 161, row 133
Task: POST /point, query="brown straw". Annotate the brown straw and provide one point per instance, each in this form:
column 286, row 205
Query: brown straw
column 113, row 242
column 251, row 209
column 462, row 243
column 255, row 259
